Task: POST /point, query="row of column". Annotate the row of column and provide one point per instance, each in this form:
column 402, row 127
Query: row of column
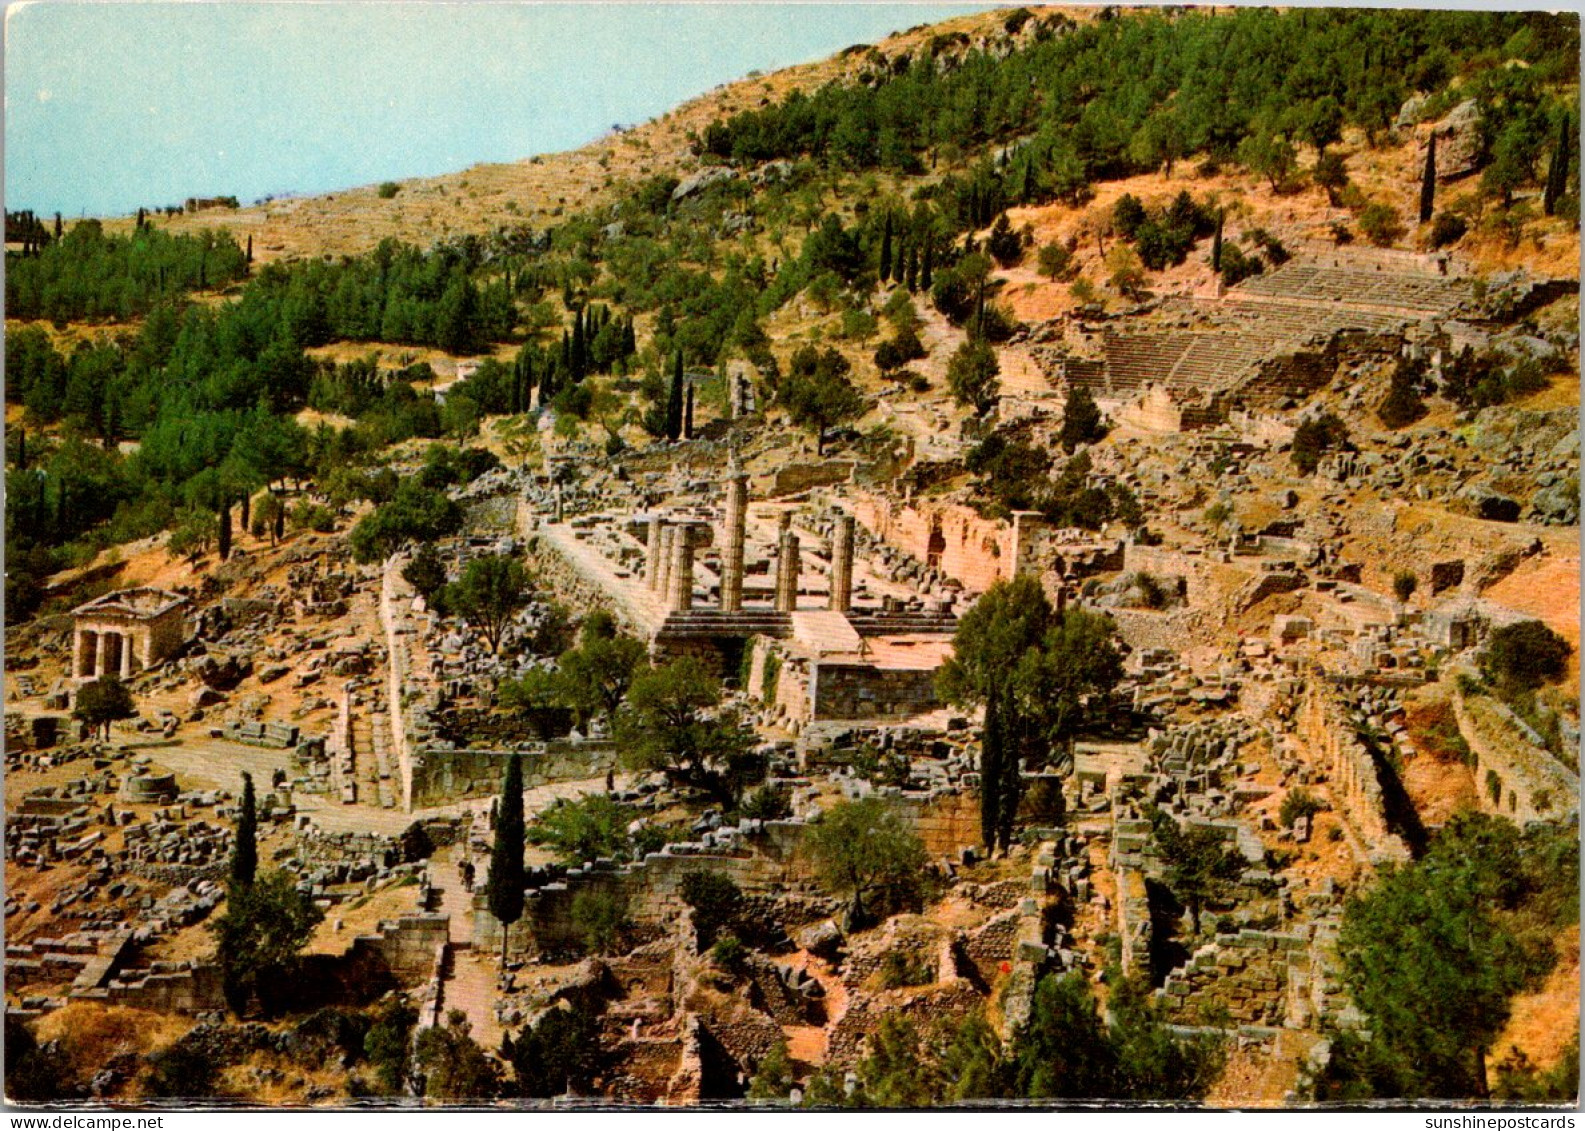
column 668, row 563
column 98, row 653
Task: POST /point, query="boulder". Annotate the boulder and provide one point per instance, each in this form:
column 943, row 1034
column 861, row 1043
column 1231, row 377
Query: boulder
column 823, row 939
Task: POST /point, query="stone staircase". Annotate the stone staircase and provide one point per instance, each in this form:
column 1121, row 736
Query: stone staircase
column 380, row 746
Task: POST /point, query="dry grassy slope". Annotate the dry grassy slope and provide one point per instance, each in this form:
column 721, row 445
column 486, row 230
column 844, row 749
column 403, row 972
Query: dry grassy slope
column 536, row 190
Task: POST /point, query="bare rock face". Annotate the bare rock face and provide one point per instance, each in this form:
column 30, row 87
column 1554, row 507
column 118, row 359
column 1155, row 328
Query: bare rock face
column 1457, row 142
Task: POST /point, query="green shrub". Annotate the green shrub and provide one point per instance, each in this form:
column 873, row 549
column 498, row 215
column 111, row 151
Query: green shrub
column 388, row 189
column 900, row 968
column 729, row 953
column 1381, row 224
column 1521, row 657
column 1299, row 803
column 1447, row 229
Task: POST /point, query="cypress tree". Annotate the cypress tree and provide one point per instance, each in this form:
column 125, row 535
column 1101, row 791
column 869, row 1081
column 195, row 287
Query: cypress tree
column 1009, row 783
column 225, row 529
column 926, row 274
column 250, row 251
column 57, row 225
column 280, row 523
column 142, row 220
column 911, row 271
column 1557, row 170
column 110, row 421
column 674, row 401
column 22, row 449
column 245, row 854
column 1216, row 244
column 504, row 887
column 1428, row 182
column 991, row 771
column 886, row 250
column 579, row 338
column 687, row 414
column 247, row 509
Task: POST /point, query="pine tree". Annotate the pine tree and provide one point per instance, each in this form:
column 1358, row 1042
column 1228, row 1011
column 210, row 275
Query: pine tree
column 504, row 887
column 1428, row 182
column 225, row 529
column 245, row 854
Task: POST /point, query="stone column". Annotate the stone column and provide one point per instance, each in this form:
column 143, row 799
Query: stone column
column 79, row 653
column 126, row 657
column 842, row 565
column 679, row 593
column 102, row 663
column 787, row 572
column 732, row 552
column 652, row 552
column 668, row 539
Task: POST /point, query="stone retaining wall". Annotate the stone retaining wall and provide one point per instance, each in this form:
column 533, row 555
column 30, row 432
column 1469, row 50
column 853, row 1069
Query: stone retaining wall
column 443, row 776
column 862, row 691
column 1529, row 783
column 1242, row 979
column 1327, row 740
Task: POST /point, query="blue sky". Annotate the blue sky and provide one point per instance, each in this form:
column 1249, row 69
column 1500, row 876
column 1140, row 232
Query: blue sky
column 114, row 105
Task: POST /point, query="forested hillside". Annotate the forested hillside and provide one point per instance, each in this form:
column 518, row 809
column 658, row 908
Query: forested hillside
column 688, row 273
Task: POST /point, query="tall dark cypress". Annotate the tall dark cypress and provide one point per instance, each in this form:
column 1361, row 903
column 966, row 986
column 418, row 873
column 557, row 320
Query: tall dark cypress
column 225, row 530
column 886, row 250
column 911, row 271
column 1428, row 182
column 926, row 272
column 579, row 338
column 1216, row 244
column 674, row 401
column 504, row 887
column 246, row 508
column 687, row 414
column 1009, row 784
column 991, row 771
column 250, row 251
column 245, row 853
column 22, row 449
column 57, row 225
column 280, row 522
column 1557, row 169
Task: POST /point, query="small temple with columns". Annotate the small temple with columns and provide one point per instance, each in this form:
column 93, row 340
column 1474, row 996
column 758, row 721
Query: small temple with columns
column 127, row 632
